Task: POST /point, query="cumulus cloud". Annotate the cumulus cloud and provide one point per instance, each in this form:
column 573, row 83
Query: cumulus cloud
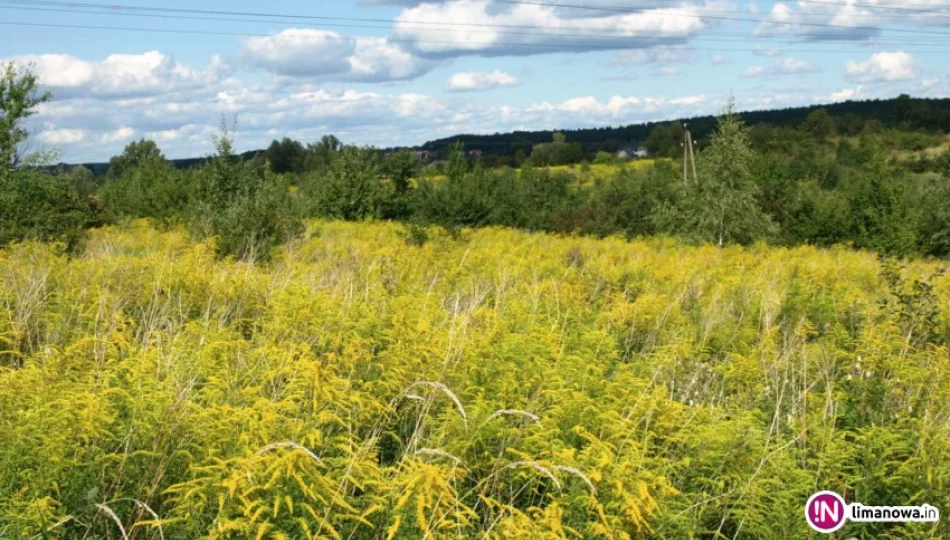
column 653, row 55
column 753, row 71
column 759, row 50
column 475, row 82
column 882, row 67
column 325, row 55
column 821, row 22
column 845, row 94
column 616, row 108
column 62, row 136
column 121, row 134
column 785, row 66
column 119, row 75
column 485, row 29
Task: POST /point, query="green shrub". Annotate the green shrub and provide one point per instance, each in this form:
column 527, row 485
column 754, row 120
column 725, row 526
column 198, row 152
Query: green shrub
column 152, row 188
column 244, row 205
column 47, row 207
column 350, row 189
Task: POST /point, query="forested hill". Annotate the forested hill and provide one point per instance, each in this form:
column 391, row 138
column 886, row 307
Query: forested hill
column 850, row 118
column 917, row 113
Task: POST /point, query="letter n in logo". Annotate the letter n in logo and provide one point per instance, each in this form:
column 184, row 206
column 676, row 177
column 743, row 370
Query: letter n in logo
column 826, row 511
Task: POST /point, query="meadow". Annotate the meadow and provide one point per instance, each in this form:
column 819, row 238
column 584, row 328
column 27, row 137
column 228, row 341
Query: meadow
column 487, row 383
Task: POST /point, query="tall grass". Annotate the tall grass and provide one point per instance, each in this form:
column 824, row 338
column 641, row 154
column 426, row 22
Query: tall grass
column 493, row 383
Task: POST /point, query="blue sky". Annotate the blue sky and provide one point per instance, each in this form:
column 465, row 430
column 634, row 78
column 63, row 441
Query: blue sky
column 400, row 72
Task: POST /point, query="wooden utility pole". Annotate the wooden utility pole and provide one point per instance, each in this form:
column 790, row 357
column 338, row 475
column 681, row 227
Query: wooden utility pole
column 688, row 155
column 683, row 144
column 692, row 156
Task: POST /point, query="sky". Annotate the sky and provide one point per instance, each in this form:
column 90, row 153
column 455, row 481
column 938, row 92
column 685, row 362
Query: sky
column 401, row 72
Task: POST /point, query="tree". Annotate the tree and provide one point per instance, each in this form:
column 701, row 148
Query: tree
column 665, row 140
column 331, row 143
column 83, row 180
column 151, row 189
column 350, row 189
column 883, row 216
column 936, row 222
column 285, row 156
column 819, row 124
column 318, row 156
column 33, row 204
column 557, row 152
column 400, row 167
column 135, row 153
column 19, row 98
column 243, row 204
column 723, row 207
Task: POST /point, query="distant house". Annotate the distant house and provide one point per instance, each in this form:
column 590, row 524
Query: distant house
column 426, row 155
column 475, row 153
column 630, row 152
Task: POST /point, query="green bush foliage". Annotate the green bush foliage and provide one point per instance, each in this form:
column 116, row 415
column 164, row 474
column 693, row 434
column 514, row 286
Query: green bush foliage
column 351, row 188
column 248, row 209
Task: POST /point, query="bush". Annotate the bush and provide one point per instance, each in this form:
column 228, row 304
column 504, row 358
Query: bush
column 244, row 205
column 152, row 188
column 350, row 189
column 883, row 217
column 41, row 206
column 464, row 199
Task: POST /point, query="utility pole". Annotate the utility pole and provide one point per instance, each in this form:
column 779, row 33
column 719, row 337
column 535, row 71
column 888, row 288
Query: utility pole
column 683, row 144
column 688, row 154
column 692, row 156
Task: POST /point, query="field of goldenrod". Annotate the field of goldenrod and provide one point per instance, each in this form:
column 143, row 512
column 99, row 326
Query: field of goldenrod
column 497, row 384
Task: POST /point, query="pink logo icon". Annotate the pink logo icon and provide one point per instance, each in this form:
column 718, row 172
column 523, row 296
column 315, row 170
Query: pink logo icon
column 826, row 511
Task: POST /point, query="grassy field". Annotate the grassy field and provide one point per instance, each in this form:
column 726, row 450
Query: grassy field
column 502, row 383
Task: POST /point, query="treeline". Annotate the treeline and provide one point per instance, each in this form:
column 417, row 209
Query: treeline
column 903, row 112
column 783, row 185
column 661, row 139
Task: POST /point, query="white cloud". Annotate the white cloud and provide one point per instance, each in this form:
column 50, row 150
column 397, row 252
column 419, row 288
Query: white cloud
column 821, row 21
column 122, row 134
column 441, row 36
column 759, row 50
column 62, row 136
column 791, row 65
column 718, row 60
column 785, row 66
column 617, row 107
column 753, row 71
column 688, row 100
column 119, row 75
column 882, row 67
column 474, row 81
column 653, row 55
column 844, row 94
column 325, row 55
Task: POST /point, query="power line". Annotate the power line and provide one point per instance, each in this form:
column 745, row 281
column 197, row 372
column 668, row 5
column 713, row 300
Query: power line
column 452, row 23
column 700, row 11
column 397, row 40
column 936, row 9
column 705, row 37
column 721, row 18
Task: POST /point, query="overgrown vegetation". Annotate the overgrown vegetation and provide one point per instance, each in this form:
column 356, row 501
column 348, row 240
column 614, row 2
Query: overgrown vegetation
column 846, row 180
column 502, row 383
column 224, row 368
